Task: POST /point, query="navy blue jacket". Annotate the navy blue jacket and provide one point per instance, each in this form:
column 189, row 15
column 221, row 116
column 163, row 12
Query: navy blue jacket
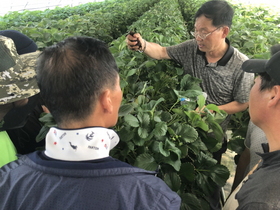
column 37, row 182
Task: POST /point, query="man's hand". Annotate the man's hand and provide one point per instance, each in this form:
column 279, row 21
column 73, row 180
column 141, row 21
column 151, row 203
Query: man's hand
column 135, row 42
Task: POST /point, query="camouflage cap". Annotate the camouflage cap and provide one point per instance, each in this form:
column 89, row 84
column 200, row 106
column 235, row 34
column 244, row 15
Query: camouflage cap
column 17, row 72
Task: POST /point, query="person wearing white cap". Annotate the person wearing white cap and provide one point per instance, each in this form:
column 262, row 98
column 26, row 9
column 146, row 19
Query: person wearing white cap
column 79, row 82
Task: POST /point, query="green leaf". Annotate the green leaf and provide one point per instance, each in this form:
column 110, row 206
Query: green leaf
column 141, row 99
column 125, row 109
column 157, row 102
column 187, row 133
column 149, row 63
column 184, row 150
column 236, row 145
column 173, row 160
column 217, row 130
column 143, row 132
column 131, row 72
column 173, row 180
column 47, row 119
column 146, row 161
column 164, row 152
column 191, row 202
column 219, row 174
column 160, row 129
column 42, row 134
column 201, row 101
column 201, row 124
column 205, row 161
column 188, row 171
column 197, row 146
column 207, row 186
column 144, row 119
column 157, row 119
column 131, row 120
column 166, row 116
column 213, row 107
column 249, row 45
column 126, row 133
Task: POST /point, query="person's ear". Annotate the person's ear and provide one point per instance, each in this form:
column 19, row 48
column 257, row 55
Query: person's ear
column 274, row 96
column 106, row 101
column 225, row 31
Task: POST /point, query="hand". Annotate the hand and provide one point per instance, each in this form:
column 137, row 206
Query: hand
column 134, row 41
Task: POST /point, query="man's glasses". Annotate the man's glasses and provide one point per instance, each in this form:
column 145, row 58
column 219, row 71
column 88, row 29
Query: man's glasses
column 202, row 35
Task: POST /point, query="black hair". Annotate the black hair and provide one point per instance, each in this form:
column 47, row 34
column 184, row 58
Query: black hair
column 219, row 11
column 72, row 74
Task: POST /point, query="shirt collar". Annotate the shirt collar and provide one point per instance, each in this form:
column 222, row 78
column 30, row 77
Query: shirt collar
column 80, row 144
column 270, row 158
column 224, row 60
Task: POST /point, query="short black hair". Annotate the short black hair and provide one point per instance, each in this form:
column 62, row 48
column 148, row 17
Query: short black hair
column 266, row 82
column 72, row 74
column 219, row 11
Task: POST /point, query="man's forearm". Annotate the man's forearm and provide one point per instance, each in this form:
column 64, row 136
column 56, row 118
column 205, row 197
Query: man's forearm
column 156, row 51
column 233, row 107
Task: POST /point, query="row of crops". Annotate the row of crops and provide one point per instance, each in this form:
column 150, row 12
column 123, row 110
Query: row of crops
column 156, row 130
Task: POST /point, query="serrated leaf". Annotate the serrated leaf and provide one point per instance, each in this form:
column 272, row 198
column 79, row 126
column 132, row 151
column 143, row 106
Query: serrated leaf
column 144, row 119
column 219, row 174
column 188, row 171
column 206, row 161
column 160, row 129
column 187, row 133
column 184, row 150
column 166, row 116
column 157, row 119
column 143, row 132
column 146, row 161
column 173, row 180
column 205, row 183
column 125, row 109
column 190, row 201
column 131, row 120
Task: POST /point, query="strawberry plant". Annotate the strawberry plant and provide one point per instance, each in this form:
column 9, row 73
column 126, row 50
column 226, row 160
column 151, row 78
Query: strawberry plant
column 157, row 131
column 105, row 23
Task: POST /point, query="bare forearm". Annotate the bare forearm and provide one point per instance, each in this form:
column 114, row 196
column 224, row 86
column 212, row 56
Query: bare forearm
column 156, row 51
column 233, row 107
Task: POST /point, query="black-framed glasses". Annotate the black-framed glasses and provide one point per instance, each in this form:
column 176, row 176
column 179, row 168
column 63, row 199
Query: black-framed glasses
column 203, row 35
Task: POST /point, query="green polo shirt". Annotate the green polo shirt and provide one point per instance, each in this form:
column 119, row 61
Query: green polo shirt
column 7, row 149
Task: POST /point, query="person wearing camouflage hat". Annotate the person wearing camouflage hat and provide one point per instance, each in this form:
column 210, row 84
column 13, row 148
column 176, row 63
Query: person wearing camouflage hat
column 18, row 83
